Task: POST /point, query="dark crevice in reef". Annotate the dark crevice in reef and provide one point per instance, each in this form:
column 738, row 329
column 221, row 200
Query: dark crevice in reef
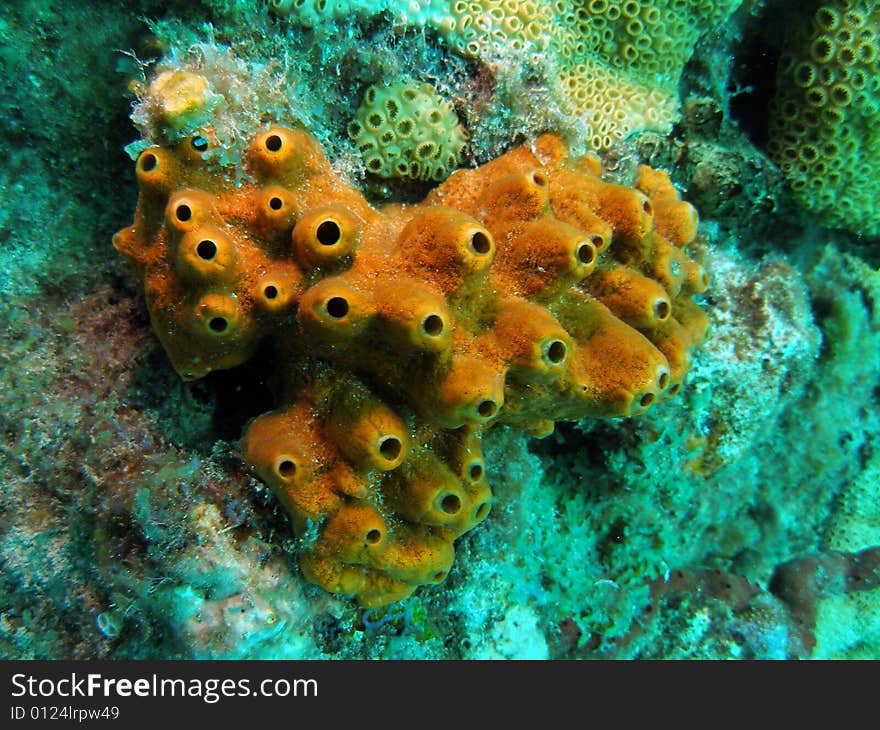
column 823, row 309
column 241, row 393
column 752, row 83
column 590, row 445
column 195, row 415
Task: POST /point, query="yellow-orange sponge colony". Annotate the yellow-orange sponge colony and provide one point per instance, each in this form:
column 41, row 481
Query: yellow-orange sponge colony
column 522, row 292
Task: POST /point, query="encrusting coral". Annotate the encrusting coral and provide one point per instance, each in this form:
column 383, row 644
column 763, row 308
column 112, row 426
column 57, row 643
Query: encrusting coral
column 615, row 65
column 824, row 119
column 406, row 130
column 522, row 292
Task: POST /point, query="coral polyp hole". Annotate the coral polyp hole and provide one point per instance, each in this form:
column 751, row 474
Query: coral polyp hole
column 199, row 143
column 481, row 511
column 328, row 233
column 270, row 292
column 475, row 472
column 276, row 203
column 439, row 576
column 597, row 240
column 663, row 380
column 827, row 18
column 451, row 504
column 586, row 253
column 539, row 179
column 647, row 207
column 432, row 325
column 390, row 448
column 206, row 249
column 274, row 143
column 487, row 408
column 480, row 243
column 646, row 400
column 662, row 309
column 286, row 468
column 373, row 536
column 149, row 162
column 218, row 324
column 337, row 307
column 556, row 351
column 183, row 212
column 674, row 389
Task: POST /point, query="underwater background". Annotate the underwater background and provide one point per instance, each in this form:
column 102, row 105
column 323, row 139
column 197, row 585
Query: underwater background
column 739, row 519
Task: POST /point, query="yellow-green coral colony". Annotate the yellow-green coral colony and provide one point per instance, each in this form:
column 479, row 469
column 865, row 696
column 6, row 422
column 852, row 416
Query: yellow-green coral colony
column 825, row 120
column 522, row 292
column 616, row 64
column 405, row 130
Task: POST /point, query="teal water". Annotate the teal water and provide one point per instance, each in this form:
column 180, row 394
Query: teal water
column 737, row 520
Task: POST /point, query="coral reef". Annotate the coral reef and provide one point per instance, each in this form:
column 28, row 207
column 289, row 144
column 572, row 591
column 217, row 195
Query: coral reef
column 621, row 493
column 211, row 91
column 722, row 613
column 824, row 120
column 803, row 582
column 530, row 68
column 131, row 529
column 519, row 293
column 710, row 160
column 613, row 65
column 620, row 63
column 406, row 130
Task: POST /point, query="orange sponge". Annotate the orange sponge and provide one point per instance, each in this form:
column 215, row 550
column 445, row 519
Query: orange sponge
column 522, row 292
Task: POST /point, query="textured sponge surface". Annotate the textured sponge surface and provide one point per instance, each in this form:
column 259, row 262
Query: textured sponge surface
column 522, row 292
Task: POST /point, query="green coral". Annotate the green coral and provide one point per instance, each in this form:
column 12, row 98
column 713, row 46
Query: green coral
column 614, row 65
column 825, row 119
column 406, row 130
